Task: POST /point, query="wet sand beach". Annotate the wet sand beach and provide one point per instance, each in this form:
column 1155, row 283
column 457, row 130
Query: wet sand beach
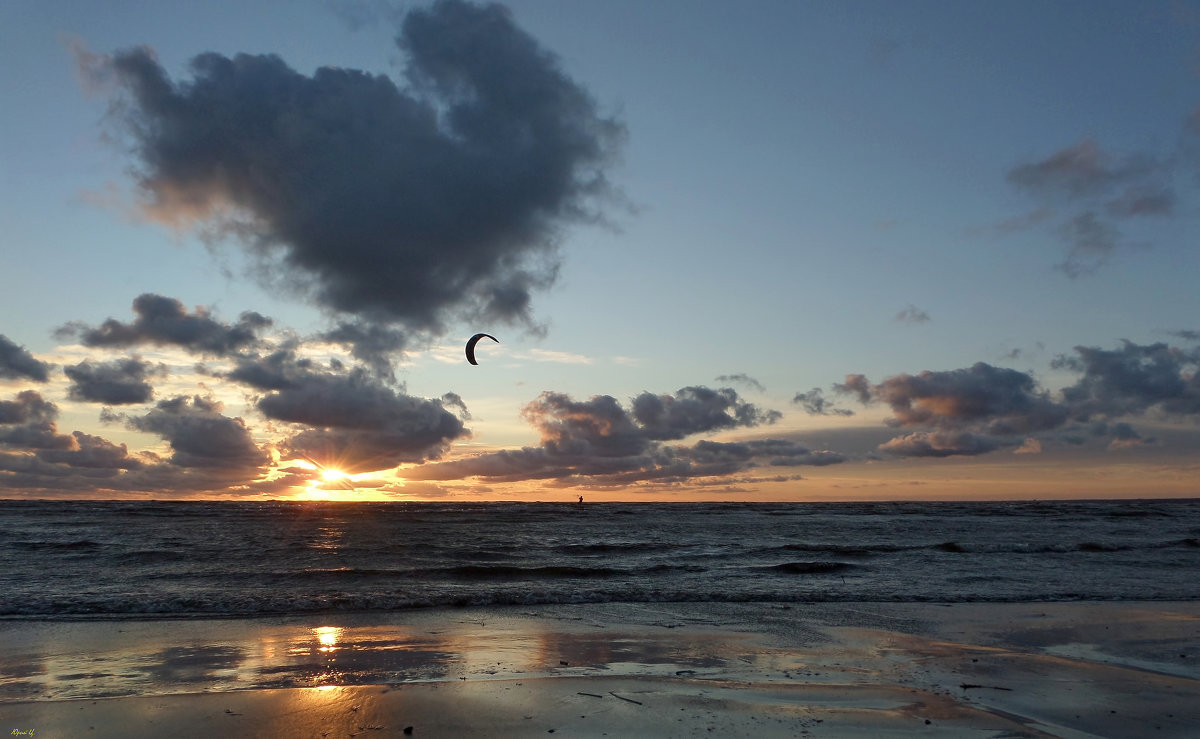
column 869, row 669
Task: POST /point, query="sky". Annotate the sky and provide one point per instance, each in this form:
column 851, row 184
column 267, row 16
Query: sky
column 775, row 251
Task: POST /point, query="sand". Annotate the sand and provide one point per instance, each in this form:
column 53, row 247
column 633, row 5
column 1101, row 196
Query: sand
column 618, row 670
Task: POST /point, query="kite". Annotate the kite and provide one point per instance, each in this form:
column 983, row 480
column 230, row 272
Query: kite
column 475, row 340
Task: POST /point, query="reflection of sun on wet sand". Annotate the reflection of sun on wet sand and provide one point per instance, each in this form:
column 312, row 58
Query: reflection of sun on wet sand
column 1040, row 669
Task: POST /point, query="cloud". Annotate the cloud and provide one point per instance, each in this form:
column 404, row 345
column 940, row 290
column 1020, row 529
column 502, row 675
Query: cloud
column 743, row 379
column 1029, row 446
column 942, row 443
column 1080, row 170
column 1004, row 401
column 1095, row 191
column 912, row 314
column 1125, row 436
column 1092, row 243
column 1132, row 380
column 282, row 368
column 17, row 363
column 598, row 427
column 965, row 411
column 212, row 453
column 780, row 452
column 1142, row 201
column 356, row 423
column 982, row 408
column 856, row 385
column 348, row 418
column 92, row 452
column 28, row 421
column 119, row 382
column 370, row 343
column 413, row 205
column 599, row 442
column 1035, row 217
column 199, row 435
column 815, row 404
column 165, row 321
column 700, row 463
column 696, row 409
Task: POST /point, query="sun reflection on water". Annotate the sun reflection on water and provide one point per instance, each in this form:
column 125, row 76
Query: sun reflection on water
column 328, row 637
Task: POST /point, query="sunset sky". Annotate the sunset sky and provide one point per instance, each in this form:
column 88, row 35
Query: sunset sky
column 775, row 251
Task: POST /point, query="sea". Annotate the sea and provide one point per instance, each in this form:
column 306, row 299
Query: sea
column 115, row 560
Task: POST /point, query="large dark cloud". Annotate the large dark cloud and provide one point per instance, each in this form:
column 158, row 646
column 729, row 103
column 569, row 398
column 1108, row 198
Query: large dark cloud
column 165, row 321
column 600, row 442
column 17, row 363
column 200, row 435
column 119, row 382
column 410, row 205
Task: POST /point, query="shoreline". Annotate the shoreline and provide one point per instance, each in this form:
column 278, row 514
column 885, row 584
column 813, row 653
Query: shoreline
column 1069, row 669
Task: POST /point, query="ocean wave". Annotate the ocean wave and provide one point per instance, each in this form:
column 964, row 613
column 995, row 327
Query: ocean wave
column 847, row 550
column 153, row 556
column 131, row 559
column 68, row 546
column 811, row 568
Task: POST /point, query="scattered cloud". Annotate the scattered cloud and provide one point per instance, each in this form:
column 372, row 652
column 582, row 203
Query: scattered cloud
column 696, row 409
column 744, row 380
column 28, row 421
column 912, row 314
column 17, row 363
column 983, row 408
column 601, row 443
column 93, row 452
column 815, row 404
column 940, row 443
column 119, row 382
column 199, row 434
column 1081, row 170
column 164, row 321
column 1091, row 242
column 1092, row 193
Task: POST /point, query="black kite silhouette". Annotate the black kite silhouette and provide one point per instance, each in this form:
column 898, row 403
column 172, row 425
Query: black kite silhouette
column 475, row 340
